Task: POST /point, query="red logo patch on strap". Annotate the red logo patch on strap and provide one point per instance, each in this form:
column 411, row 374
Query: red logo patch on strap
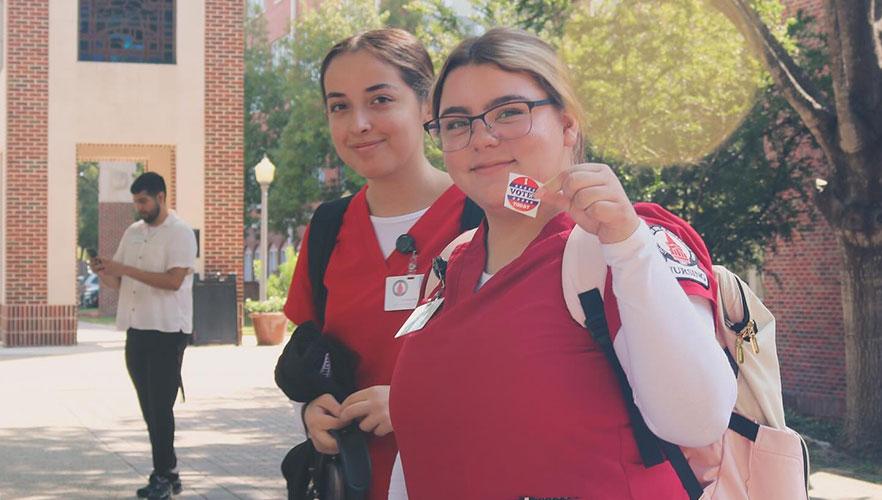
column 681, row 260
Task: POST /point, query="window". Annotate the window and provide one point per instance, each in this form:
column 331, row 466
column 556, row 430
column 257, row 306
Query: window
column 249, row 265
column 273, row 259
column 135, row 31
column 283, row 255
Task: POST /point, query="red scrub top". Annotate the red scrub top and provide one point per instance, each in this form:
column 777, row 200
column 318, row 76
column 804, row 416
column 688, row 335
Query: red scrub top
column 356, row 279
column 502, row 395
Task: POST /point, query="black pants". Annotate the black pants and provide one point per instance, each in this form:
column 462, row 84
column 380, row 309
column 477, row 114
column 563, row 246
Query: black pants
column 154, row 360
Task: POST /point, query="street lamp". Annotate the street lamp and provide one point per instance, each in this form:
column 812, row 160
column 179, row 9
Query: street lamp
column 264, row 172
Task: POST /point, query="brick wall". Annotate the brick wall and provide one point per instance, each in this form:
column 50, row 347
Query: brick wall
column 224, row 180
column 27, row 147
column 38, row 324
column 25, row 317
column 278, row 19
column 803, row 290
column 113, row 219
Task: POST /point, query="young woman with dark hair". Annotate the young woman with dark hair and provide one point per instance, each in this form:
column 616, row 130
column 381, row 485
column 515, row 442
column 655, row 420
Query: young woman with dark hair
column 375, row 85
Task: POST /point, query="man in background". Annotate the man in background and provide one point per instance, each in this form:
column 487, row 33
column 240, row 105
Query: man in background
column 152, row 269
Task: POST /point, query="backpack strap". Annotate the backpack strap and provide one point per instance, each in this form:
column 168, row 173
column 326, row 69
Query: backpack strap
column 684, row 471
column 649, row 445
column 595, row 322
column 323, row 230
column 472, row 215
column 737, row 327
column 744, row 426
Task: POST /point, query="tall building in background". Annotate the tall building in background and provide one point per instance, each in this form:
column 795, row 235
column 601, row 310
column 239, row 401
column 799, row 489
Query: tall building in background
column 155, row 83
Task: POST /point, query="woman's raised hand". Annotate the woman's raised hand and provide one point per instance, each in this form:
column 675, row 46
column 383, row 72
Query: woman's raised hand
column 593, row 196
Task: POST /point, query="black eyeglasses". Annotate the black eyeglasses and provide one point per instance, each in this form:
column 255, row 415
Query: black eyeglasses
column 506, row 121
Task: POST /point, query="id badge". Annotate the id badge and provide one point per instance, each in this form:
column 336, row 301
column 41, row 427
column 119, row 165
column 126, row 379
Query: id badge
column 419, row 317
column 403, row 292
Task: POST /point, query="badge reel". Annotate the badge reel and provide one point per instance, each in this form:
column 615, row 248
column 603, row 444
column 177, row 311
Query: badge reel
column 403, row 292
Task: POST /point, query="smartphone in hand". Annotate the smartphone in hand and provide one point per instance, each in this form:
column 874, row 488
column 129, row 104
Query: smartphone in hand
column 94, row 260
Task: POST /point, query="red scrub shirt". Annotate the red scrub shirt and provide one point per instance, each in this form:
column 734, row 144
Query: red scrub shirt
column 356, row 280
column 502, row 395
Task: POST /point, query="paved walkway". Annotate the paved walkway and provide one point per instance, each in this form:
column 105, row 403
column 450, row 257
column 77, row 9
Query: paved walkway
column 70, row 427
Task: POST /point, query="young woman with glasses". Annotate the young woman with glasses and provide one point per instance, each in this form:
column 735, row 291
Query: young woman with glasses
column 502, row 395
column 375, row 85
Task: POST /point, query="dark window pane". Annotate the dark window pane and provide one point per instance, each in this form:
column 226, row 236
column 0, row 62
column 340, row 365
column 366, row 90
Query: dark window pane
column 127, row 31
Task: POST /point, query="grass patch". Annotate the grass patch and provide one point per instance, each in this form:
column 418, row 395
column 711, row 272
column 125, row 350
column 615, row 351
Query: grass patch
column 818, row 428
column 822, row 437
column 98, row 320
column 248, row 326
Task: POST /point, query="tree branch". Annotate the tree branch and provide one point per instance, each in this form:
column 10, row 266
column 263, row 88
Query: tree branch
column 797, row 87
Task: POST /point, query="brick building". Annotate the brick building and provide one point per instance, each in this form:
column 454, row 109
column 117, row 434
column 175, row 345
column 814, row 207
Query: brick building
column 803, row 290
column 152, row 82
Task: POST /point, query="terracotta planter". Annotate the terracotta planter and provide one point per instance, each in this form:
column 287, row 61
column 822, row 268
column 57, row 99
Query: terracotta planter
column 269, row 328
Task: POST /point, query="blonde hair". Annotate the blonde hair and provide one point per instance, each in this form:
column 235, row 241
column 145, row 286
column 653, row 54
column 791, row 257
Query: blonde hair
column 517, row 51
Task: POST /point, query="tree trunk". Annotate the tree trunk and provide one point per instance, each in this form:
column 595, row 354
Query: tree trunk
column 862, row 312
column 849, row 131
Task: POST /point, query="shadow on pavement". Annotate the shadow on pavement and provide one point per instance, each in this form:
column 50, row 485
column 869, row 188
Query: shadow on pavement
column 54, row 463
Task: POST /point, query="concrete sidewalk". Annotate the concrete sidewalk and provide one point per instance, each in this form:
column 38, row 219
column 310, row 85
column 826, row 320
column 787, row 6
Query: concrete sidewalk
column 70, row 426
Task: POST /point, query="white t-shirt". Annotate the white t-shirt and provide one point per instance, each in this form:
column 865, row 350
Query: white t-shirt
column 388, row 229
column 157, row 249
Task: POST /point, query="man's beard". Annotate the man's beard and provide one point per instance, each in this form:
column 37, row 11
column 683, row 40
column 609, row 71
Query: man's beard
column 152, row 215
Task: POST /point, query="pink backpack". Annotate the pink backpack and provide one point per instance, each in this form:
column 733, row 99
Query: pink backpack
column 758, row 457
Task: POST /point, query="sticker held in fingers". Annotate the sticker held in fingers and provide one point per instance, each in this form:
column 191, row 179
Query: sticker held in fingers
column 520, row 194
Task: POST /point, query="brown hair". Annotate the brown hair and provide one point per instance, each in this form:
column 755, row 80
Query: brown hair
column 395, row 47
column 516, row 51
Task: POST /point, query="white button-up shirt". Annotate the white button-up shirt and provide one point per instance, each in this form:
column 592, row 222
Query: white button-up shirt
column 157, row 249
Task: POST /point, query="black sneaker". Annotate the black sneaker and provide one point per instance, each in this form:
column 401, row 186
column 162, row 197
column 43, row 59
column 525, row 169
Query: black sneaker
column 175, row 480
column 160, row 489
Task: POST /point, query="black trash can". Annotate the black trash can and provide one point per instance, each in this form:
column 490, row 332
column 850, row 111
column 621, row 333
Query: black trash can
column 215, row 319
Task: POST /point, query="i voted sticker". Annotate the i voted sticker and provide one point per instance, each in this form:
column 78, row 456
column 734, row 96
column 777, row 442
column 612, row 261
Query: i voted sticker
column 519, row 196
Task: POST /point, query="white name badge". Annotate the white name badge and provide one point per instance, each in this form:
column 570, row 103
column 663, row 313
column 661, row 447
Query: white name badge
column 419, row 317
column 403, row 292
